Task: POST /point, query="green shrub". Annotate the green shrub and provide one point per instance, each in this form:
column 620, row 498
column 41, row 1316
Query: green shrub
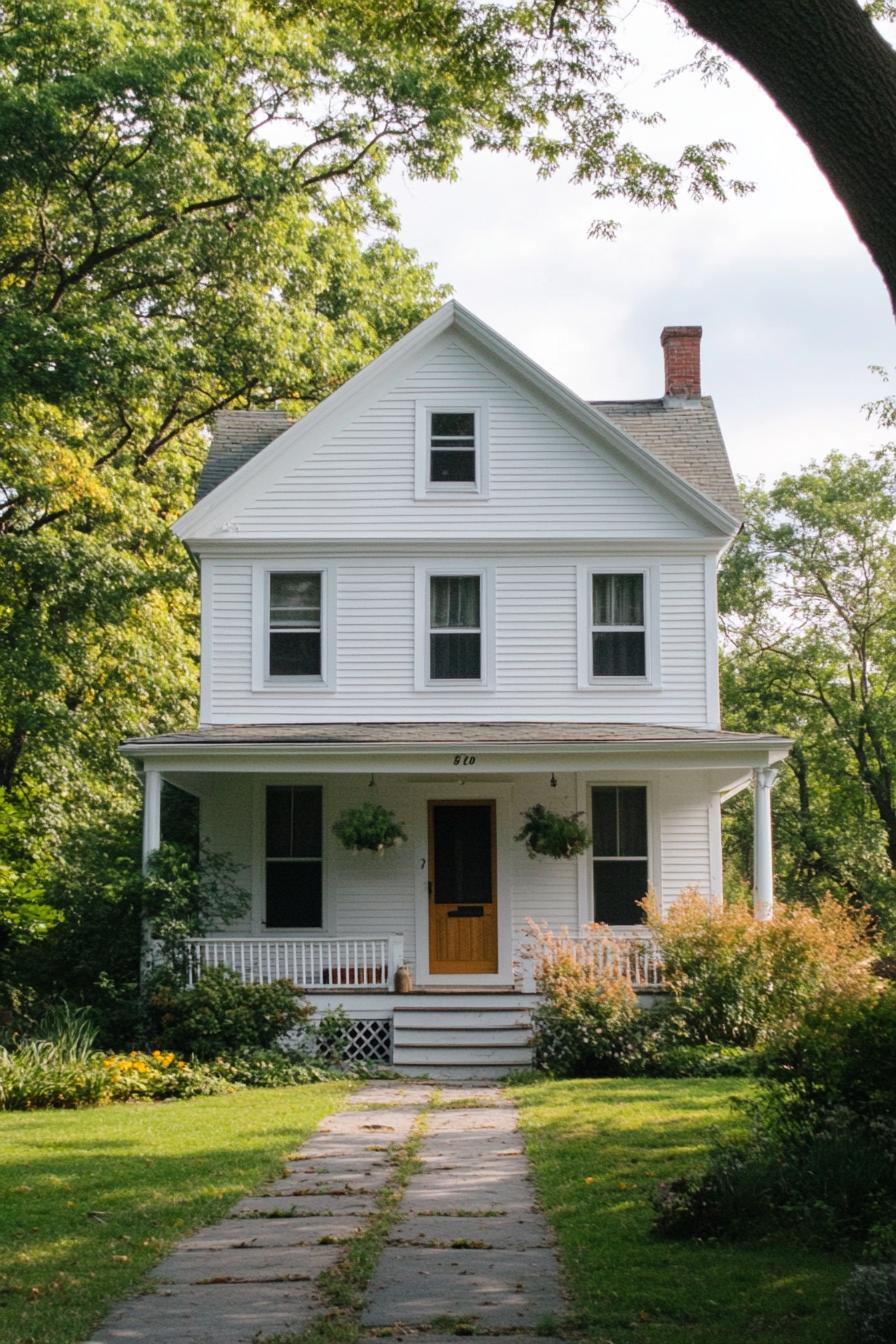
column 664, row 1059
column 869, row 1301
column 221, row 1016
column 270, row 1068
column 735, row 980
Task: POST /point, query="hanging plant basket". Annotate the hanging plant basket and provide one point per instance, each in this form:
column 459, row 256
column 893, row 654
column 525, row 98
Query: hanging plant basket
column 369, row 827
column 553, row 835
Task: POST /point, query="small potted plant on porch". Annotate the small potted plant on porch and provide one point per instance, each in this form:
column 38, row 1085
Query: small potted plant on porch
column 368, row 827
column 553, row 835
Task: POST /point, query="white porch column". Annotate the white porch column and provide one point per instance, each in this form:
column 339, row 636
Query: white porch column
column 152, row 813
column 763, row 867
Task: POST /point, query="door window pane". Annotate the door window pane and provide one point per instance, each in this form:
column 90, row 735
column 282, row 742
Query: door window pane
column 462, row 854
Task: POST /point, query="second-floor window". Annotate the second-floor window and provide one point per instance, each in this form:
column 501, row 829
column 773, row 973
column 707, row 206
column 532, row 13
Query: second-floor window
column 455, row 627
column 294, row 624
column 618, row 631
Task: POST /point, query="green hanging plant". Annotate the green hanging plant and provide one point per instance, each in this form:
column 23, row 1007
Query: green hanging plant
column 553, row 835
column 369, row 826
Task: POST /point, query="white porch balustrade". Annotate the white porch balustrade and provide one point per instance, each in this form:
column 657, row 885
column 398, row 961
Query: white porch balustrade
column 310, row 963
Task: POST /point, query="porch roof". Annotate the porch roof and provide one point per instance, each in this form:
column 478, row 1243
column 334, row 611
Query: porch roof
column 442, row 734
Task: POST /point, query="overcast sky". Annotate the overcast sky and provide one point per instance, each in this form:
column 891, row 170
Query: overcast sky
column 792, row 309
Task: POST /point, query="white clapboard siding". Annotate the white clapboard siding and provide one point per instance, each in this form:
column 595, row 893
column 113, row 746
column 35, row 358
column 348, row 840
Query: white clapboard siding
column 535, row 637
column 544, row 481
column 366, row 896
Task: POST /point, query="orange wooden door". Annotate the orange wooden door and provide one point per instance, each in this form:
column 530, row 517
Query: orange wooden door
column 463, row 916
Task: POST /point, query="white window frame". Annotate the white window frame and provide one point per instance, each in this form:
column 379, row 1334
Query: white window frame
column 650, row 572
column 653, row 842
column 329, row 853
column 585, row 862
column 441, row 491
column 451, row 569
column 261, row 602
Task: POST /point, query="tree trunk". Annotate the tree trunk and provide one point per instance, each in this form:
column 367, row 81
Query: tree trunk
column 834, row 78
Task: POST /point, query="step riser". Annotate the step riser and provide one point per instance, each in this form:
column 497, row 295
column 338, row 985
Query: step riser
column 518, row 1056
column 463, row 1040
column 458, row 1003
column 465, row 1021
column 462, row 1074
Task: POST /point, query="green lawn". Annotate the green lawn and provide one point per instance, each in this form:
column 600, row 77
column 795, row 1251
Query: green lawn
column 599, row 1148
column 90, row 1199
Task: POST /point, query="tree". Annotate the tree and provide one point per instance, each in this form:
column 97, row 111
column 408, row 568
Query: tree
column 808, row 601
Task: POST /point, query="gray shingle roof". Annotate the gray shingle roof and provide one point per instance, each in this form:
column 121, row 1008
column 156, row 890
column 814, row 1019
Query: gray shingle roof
column 685, row 437
column 450, row 734
column 237, row 437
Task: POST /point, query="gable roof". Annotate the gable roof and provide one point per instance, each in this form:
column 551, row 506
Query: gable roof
column 686, row 437
column 251, row 462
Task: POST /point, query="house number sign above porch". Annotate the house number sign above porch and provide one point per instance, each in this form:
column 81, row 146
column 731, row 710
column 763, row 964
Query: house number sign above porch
column 465, row 760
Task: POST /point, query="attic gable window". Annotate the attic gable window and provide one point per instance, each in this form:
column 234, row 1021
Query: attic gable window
column 451, row 449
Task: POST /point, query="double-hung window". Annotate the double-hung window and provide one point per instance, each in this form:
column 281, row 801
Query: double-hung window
column 618, row 630
column 294, row 624
column 455, row 627
column 451, row 455
column 293, row 857
column 452, row 448
column 619, row 828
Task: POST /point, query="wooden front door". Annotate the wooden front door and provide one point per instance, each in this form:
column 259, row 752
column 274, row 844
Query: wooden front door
column 463, row 917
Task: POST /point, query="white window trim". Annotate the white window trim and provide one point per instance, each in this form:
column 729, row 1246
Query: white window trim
column 443, row 491
column 452, row 569
column 261, row 678
column 652, row 679
column 586, row 784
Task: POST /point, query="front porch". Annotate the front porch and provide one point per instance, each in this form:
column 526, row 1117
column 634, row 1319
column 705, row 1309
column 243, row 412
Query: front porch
column 453, row 903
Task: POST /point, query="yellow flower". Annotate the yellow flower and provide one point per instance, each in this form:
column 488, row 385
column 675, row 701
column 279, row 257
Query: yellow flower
column 589, row 1180
column 181, row 1064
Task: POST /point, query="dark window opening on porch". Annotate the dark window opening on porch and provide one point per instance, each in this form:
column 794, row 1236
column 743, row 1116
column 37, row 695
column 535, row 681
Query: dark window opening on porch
column 293, row 857
column 619, row 827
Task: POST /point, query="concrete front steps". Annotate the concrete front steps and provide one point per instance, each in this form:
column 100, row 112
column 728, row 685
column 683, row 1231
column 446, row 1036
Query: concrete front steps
column 447, row 1036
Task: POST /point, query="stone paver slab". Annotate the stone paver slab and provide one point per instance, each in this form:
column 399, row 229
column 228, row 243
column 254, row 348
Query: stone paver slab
column 260, row 1264
column 209, row 1314
column 338, row 1184
column 507, row 1289
column 248, row 1233
column 300, row 1206
column 442, row 1191
column 503, row 1234
column 487, row 1119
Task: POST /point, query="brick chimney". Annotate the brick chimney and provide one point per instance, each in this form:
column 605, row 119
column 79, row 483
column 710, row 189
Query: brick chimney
column 681, row 354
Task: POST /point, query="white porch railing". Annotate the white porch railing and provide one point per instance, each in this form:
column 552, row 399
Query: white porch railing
column 310, row 963
column 633, row 956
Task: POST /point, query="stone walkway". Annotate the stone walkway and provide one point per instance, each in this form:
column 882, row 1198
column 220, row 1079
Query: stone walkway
column 469, row 1251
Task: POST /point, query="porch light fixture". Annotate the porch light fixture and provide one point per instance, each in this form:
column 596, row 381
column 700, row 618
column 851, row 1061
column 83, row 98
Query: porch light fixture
column 553, row 780
column 371, row 781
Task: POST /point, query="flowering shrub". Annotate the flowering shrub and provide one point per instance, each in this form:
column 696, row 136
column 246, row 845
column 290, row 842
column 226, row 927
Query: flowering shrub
column 736, row 980
column 160, row 1074
column 588, row 1023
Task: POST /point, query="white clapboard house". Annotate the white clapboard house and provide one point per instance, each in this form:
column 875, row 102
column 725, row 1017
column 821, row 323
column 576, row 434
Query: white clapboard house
column 456, row 590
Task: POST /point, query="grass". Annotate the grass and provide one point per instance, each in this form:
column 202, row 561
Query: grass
column 599, row 1147
column 92, row 1198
